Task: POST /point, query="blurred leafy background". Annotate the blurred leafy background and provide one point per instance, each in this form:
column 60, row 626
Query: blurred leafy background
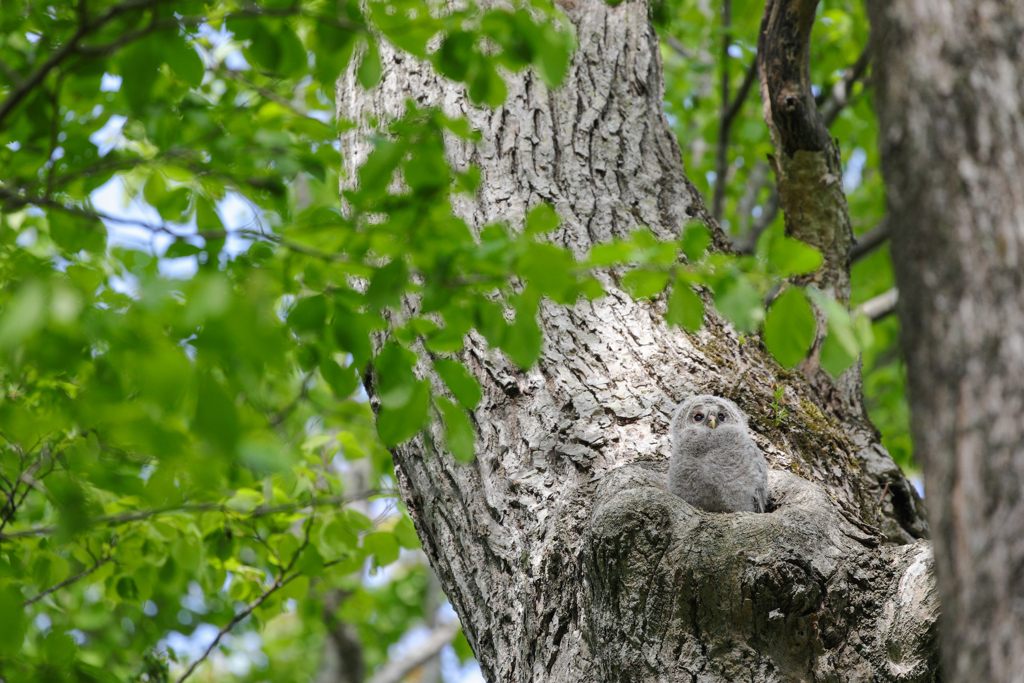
column 192, row 483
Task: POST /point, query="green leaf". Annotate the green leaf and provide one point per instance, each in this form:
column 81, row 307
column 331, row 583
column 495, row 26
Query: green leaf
column 309, row 315
column 370, row 67
column 616, row 251
column 792, row 257
column 405, row 534
column 642, row 283
column 383, row 546
column 14, row 623
column 343, row 381
column 23, row 315
column 138, row 65
column 685, row 307
column 264, row 46
column 541, row 219
column 395, row 380
column 387, row 284
column 126, row 588
column 789, row 327
column 738, row 301
column 74, row 233
column 550, row 270
column 395, row 425
column 352, row 333
column 522, row 340
column 183, row 60
column 835, row 358
column 463, row 385
column 486, row 85
column 216, row 419
column 840, row 323
column 554, row 50
column 456, row 55
column 459, row 434
column 337, row 535
column 245, row 500
column 695, row 242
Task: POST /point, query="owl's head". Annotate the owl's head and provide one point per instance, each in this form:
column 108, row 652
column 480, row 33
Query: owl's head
column 708, row 412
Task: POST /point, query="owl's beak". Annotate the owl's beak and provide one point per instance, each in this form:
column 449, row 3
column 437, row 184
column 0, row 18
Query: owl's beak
column 711, row 422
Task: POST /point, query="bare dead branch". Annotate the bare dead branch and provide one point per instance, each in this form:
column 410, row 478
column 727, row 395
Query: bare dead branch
column 396, row 670
column 880, row 306
column 678, row 47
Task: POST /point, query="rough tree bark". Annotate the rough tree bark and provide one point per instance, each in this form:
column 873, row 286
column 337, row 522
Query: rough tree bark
column 950, row 100
column 559, row 547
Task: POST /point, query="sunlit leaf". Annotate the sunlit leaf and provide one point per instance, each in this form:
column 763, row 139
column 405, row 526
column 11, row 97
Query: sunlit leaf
column 789, row 327
column 685, row 307
column 459, row 433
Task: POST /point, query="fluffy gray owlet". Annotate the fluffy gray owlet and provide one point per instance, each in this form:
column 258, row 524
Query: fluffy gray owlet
column 715, row 465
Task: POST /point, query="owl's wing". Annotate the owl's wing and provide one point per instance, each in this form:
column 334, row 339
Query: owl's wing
column 760, row 472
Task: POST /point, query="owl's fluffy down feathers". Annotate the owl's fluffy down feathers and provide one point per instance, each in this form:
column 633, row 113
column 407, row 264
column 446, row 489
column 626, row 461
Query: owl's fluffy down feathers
column 715, row 464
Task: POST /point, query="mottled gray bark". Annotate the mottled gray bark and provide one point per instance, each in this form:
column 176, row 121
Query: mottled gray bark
column 950, row 98
column 559, row 546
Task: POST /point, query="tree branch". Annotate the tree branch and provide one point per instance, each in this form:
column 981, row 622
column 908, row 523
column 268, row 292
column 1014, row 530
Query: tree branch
column 870, row 240
column 838, row 97
column 27, row 476
column 68, row 582
column 396, row 670
column 126, row 517
column 880, row 306
column 278, row 584
column 678, row 47
column 69, row 47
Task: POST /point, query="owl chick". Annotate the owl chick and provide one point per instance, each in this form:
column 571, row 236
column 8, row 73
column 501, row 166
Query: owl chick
column 715, row 465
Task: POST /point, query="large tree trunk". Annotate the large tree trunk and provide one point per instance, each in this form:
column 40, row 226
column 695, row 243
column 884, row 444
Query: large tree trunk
column 559, row 547
column 950, row 97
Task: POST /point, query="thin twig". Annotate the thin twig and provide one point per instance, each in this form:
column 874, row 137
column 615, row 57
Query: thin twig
column 67, row 48
column 267, row 93
column 68, row 582
column 279, row 583
column 126, row 517
column 678, row 47
column 839, row 95
column 870, row 240
column 395, row 671
column 880, row 306
column 884, row 491
column 27, row 476
column 23, row 86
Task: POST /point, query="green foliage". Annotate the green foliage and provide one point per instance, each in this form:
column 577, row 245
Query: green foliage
column 177, row 452
column 789, row 327
column 183, row 411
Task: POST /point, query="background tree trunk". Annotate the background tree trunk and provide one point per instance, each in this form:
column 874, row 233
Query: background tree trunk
column 950, row 100
column 558, row 546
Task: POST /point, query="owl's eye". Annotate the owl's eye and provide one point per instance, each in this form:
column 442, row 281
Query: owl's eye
column 698, row 417
column 721, row 417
